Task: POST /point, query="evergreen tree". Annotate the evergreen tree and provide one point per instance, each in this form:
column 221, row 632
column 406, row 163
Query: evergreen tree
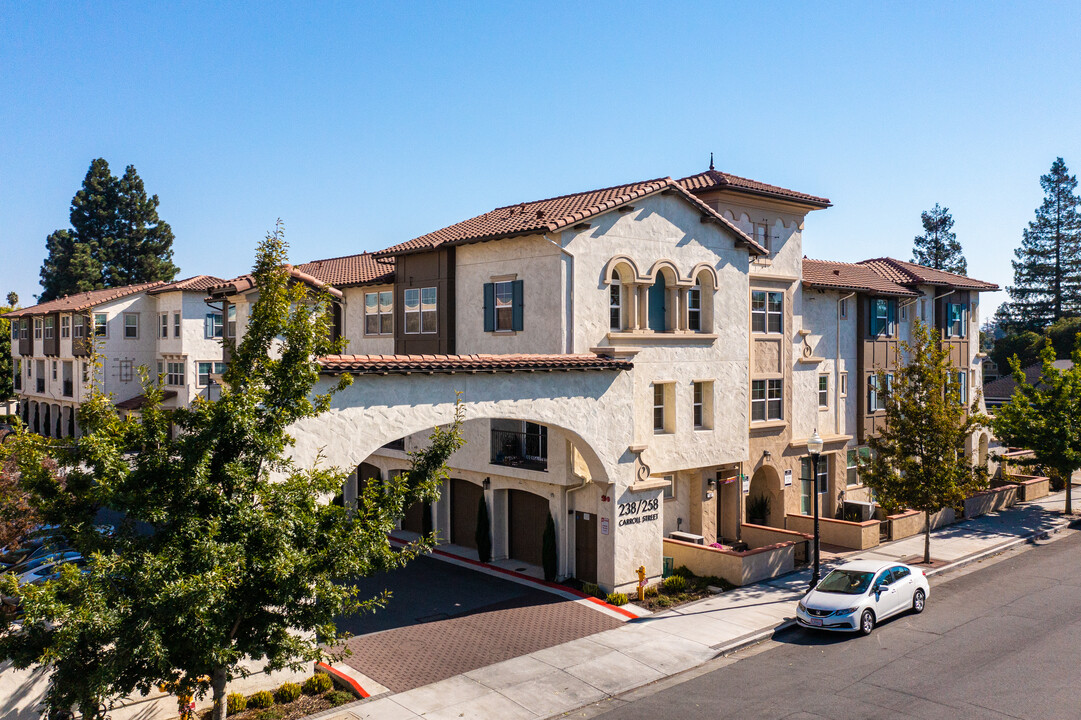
column 1047, row 271
column 918, row 461
column 116, row 237
column 7, row 384
column 938, row 247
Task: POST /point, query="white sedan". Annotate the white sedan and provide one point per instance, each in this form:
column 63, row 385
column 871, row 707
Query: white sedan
column 859, row 595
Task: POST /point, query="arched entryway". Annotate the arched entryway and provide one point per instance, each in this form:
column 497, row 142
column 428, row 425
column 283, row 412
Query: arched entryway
column 765, row 499
column 465, row 500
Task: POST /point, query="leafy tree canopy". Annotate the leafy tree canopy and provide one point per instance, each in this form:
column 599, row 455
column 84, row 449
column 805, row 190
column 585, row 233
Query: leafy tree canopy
column 230, row 551
column 919, row 461
column 937, row 247
column 116, row 237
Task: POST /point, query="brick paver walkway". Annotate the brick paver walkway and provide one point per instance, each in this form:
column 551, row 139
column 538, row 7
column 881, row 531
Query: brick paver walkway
column 408, row 657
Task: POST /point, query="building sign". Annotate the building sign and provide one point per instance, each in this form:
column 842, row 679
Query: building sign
column 788, row 478
column 638, row 511
column 604, row 526
column 746, row 484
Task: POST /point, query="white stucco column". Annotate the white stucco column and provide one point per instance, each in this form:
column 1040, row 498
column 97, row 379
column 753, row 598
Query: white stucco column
column 643, row 307
column 683, row 321
column 631, row 294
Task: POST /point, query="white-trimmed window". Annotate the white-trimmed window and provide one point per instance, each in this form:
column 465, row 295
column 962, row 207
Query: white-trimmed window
column 230, row 321
column 421, row 309
column 131, row 326
column 808, row 484
column 127, row 371
column 923, row 309
column 176, row 324
column 615, row 306
column 50, row 328
column 852, row 476
column 842, row 378
column 760, row 233
column 379, row 313
column 504, row 305
column 876, row 397
column 15, row 324
column 955, row 320
column 164, row 318
column 37, row 328
column 767, row 311
column 662, row 408
column 883, row 317
column 669, row 491
column 77, row 326
column 702, row 404
column 206, row 369
column 843, row 307
column 65, row 326
column 24, row 329
column 212, row 326
column 766, row 400
column 823, row 391
column 694, row 308
column 904, row 312
column 962, row 387
column 54, row 370
column 101, row 325
column 174, row 373
column 86, row 371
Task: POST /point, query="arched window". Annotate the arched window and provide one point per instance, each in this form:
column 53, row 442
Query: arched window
column 700, row 302
column 694, row 307
column 615, row 305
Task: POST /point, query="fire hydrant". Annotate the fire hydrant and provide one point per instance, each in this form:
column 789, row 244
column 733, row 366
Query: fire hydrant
column 641, row 583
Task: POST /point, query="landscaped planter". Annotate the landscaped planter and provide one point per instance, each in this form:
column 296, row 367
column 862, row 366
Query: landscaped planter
column 757, row 536
column 991, row 500
column 843, row 533
column 905, row 524
column 738, row 568
column 942, row 518
column 1030, row 487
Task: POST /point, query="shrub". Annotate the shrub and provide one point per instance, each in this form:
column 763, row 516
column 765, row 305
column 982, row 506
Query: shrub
column 616, row 598
column 317, row 684
column 261, row 699
column 592, row 589
column 549, row 558
column 652, row 591
column 662, row 601
column 236, row 703
column 287, row 693
column 483, row 534
column 684, row 572
column 674, row 584
column 338, row 697
column 274, row 713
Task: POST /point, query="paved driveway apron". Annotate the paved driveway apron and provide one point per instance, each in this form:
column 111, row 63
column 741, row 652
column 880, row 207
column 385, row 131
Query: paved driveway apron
column 445, row 620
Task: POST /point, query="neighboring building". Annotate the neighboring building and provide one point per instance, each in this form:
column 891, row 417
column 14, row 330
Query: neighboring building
column 159, row 326
column 998, row 392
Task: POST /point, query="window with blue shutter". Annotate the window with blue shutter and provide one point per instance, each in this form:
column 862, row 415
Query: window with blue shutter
column 489, row 307
column 503, row 306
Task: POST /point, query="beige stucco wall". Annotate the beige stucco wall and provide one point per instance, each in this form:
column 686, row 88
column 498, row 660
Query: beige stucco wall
column 353, row 313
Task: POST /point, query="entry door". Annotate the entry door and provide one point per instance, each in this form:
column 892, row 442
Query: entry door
column 464, row 498
column 527, row 514
column 585, row 546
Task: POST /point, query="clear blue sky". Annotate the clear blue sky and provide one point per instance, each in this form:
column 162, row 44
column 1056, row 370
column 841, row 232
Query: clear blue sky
column 364, row 125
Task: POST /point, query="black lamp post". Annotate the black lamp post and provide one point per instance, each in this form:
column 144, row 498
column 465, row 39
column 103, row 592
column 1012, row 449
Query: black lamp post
column 814, row 449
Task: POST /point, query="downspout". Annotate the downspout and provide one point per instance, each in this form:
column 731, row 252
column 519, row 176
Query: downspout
column 570, row 512
column 837, row 370
column 568, row 293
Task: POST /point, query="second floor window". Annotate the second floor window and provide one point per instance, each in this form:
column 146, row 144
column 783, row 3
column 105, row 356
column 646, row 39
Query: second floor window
column 767, row 311
column 823, row 391
column 955, row 320
column 379, row 313
column 420, row 311
column 65, row 326
column 37, row 328
column 164, row 325
column 660, row 408
column 503, row 306
column 766, row 400
column 176, row 325
column 174, row 373
column 50, row 328
column 24, row 329
column 883, row 317
column 100, row 324
column 615, row 306
column 962, row 387
column 702, row 404
column 131, row 326
column 694, row 308
column 212, row 326
column 876, row 396
column 206, row 369
column 77, row 326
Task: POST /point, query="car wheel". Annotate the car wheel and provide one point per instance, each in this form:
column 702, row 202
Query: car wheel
column 918, row 601
column 867, row 622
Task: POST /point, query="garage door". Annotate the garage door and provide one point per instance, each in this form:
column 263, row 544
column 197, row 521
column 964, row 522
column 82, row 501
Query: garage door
column 527, row 515
column 464, row 498
column 585, row 546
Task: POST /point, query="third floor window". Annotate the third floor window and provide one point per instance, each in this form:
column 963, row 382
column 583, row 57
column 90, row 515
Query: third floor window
column 379, row 313
column 421, row 311
column 767, row 311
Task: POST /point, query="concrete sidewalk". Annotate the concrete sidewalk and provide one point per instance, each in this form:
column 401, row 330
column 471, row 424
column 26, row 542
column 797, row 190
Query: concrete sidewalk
column 568, row 676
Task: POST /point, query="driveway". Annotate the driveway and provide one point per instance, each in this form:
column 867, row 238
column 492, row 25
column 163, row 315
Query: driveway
column 444, row 620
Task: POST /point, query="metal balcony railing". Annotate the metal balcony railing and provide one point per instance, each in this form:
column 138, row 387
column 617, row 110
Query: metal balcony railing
column 527, row 450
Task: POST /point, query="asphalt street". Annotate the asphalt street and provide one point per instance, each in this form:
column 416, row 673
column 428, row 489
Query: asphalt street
column 1001, row 640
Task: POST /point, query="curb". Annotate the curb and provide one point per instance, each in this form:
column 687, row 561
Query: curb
column 344, row 679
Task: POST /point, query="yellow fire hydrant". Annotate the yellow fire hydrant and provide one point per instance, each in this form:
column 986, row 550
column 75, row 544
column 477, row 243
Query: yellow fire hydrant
column 641, row 583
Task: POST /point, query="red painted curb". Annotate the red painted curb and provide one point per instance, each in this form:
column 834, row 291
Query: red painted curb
column 357, row 689
column 522, row 576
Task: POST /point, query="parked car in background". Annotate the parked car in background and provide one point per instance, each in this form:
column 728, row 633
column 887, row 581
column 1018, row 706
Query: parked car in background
column 858, row 595
column 6, row 431
column 50, row 568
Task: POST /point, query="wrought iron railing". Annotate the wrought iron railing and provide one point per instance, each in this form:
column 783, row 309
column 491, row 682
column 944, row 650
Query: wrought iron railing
column 528, row 450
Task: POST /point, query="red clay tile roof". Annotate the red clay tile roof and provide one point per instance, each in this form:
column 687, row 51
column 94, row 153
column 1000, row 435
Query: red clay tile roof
column 247, row 282
column 385, row 364
column 198, row 282
column 907, row 273
column 541, row 216
column 83, row 301
column 716, row 180
column 362, row 269
column 826, row 274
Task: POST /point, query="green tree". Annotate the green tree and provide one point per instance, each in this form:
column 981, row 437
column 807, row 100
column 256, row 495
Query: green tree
column 937, row 247
column 1047, row 269
column 918, row 461
column 7, row 384
column 1044, row 417
column 247, row 559
column 116, row 237
column 1024, row 345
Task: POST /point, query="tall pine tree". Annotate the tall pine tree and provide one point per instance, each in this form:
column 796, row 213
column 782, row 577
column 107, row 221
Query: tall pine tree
column 1047, row 271
column 116, row 237
column 938, row 247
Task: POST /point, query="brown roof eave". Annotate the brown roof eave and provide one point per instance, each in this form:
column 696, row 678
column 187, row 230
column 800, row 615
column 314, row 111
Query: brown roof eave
column 464, row 241
column 861, row 290
column 814, row 205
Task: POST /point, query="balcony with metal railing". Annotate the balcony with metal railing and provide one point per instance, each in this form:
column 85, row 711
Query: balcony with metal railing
column 527, row 450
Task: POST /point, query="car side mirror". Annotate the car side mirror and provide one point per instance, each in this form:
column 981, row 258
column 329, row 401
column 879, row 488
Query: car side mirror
column 877, row 588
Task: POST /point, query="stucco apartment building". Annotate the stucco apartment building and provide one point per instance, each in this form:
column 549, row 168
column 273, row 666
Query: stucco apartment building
column 164, row 327
column 635, row 361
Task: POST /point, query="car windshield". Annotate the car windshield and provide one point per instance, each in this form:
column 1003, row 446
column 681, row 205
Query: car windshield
column 846, row 582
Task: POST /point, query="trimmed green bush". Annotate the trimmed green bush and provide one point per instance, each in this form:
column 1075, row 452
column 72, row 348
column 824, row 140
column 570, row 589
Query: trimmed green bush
column 592, row 589
column 317, row 684
column 549, row 558
column 616, row 598
column 287, row 693
column 261, row 699
column 662, row 601
column 338, row 697
column 674, row 584
column 652, row 591
column 483, row 535
column 236, row 703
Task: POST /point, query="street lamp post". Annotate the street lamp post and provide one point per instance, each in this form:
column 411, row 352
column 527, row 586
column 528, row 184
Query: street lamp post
column 814, row 449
